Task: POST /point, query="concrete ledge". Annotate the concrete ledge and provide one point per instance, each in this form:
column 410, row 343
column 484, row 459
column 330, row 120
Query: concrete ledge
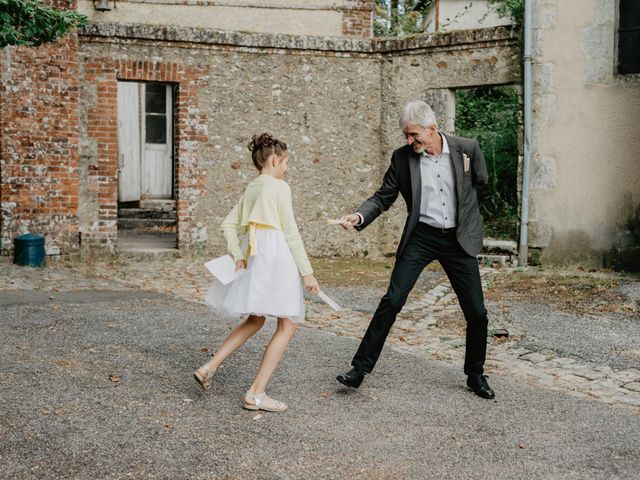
column 449, row 40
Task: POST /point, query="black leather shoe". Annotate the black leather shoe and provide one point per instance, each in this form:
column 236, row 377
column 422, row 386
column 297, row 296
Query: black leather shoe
column 353, row 378
column 478, row 383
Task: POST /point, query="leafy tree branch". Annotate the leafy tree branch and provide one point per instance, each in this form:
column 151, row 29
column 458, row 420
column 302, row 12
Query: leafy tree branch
column 31, row 23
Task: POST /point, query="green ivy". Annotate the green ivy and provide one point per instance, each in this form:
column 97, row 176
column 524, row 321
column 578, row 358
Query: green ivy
column 491, row 115
column 509, row 8
column 31, row 23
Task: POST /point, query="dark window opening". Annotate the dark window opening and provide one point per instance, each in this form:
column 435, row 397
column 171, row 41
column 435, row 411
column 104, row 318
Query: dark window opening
column 629, row 37
column 155, row 113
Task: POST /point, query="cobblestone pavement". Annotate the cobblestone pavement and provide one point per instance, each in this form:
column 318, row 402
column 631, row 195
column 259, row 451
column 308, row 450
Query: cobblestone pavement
column 430, row 325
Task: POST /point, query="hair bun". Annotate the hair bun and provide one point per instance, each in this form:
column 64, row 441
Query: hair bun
column 264, row 140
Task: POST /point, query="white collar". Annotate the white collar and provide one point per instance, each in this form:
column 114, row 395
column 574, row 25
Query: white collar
column 445, row 144
column 445, row 147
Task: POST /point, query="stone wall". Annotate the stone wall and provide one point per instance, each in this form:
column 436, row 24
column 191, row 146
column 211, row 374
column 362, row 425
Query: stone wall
column 322, row 97
column 39, row 187
column 334, row 101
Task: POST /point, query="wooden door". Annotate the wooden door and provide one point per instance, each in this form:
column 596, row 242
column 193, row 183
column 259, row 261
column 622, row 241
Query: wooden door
column 128, row 142
column 157, row 135
column 145, row 141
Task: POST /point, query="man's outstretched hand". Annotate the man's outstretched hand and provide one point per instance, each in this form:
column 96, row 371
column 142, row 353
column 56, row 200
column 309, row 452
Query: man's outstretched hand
column 349, row 221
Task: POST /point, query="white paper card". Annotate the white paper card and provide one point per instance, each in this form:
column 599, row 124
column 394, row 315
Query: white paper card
column 328, row 301
column 224, row 269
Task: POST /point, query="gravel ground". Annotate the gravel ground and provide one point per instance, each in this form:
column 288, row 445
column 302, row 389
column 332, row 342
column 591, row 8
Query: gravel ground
column 97, row 384
column 631, row 291
column 612, row 340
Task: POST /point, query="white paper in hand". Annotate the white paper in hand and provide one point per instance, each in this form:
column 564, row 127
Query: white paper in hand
column 224, row 269
column 329, row 302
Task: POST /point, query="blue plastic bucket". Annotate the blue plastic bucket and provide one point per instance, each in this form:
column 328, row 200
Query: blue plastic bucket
column 29, row 250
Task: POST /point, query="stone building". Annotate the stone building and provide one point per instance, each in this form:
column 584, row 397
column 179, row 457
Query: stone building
column 157, row 117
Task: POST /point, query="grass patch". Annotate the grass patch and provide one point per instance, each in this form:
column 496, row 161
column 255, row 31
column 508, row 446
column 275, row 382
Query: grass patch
column 352, row 271
column 575, row 292
column 357, row 271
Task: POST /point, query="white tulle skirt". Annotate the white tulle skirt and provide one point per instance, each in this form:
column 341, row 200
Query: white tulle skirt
column 270, row 287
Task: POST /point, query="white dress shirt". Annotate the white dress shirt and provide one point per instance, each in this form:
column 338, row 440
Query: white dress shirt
column 438, row 203
column 438, row 196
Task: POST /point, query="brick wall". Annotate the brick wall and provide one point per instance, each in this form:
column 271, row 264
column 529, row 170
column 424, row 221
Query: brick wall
column 100, row 167
column 39, row 143
column 357, row 18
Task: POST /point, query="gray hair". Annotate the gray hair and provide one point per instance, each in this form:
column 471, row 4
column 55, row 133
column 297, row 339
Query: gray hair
column 418, row 113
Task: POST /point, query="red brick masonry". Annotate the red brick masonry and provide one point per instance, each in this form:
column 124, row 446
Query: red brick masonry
column 39, row 185
column 102, row 120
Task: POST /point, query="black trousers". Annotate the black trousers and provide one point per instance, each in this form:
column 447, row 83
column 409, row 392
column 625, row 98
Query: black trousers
column 425, row 245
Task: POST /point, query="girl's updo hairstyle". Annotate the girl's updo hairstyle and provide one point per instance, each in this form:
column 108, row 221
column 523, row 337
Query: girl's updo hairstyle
column 263, row 146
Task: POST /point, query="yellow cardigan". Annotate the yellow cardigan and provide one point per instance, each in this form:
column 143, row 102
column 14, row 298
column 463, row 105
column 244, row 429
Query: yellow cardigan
column 266, row 201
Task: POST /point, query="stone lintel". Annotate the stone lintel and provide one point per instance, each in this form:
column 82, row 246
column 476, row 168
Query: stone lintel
column 436, row 41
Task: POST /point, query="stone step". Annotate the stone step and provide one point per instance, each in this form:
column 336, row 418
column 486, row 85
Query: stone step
column 498, row 260
column 142, row 253
column 491, row 245
column 145, row 246
column 146, row 213
column 147, row 224
column 162, row 204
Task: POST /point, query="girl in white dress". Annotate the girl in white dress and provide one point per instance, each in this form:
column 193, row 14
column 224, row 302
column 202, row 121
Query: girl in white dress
column 274, row 259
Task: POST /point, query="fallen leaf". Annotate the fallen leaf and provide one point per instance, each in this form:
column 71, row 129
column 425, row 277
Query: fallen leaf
column 114, row 378
column 204, row 350
column 335, row 316
column 521, row 445
column 325, row 394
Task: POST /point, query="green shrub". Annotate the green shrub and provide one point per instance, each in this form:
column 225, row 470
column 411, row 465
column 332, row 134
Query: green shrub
column 491, row 115
column 31, row 23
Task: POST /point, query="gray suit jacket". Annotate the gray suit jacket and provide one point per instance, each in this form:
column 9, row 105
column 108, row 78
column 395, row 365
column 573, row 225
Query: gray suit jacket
column 403, row 176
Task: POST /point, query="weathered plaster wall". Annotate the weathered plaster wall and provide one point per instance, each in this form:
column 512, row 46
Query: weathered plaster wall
column 463, row 15
column 350, row 18
column 586, row 130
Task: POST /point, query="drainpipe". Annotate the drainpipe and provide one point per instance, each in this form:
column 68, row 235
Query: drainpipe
column 523, row 250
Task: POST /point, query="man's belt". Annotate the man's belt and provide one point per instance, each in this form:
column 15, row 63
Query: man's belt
column 438, row 230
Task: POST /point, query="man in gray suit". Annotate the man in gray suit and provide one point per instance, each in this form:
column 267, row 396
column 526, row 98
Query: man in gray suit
column 437, row 175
